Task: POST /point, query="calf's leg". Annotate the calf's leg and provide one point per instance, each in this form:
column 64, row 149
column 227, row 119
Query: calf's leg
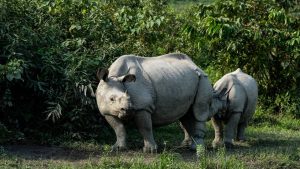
column 230, row 129
column 241, row 131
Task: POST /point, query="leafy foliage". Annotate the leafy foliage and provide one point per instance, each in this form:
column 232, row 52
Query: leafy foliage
column 261, row 37
column 48, row 62
column 51, row 49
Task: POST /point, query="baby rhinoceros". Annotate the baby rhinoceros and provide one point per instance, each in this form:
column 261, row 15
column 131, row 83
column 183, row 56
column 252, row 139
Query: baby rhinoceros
column 234, row 102
column 153, row 92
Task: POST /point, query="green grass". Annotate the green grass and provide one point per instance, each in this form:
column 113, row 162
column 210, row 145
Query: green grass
column 269, row 145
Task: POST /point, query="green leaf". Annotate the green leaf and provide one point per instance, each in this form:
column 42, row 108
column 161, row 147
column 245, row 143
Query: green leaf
column 9, row 77
column 158, row 21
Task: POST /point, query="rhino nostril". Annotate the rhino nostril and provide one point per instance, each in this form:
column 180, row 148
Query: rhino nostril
column 123, row 109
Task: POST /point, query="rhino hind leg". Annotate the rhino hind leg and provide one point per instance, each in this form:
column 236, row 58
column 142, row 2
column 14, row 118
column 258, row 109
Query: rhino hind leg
column 199, row 134
column 186, row 126
column 231, row 128
column 241, row 132
column 194, row 131
column 201, row 115
column 200, row 111
column 238, row 99
column 244, row 122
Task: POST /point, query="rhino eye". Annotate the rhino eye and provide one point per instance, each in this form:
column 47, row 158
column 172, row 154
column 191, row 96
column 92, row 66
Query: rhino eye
column 112, row 99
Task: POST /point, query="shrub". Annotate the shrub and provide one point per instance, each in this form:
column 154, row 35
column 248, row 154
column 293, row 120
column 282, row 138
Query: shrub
column 49, row 55
column 51, row 49
column 261, row 37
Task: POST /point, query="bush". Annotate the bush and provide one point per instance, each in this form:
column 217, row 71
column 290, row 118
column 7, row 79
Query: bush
column 261, row 37
column 48, row 60
column 51, row 49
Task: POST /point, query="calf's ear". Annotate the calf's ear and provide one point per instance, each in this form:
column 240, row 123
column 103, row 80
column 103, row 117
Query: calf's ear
column 102, row 74
column 223, row 92
column 220, row 94
column 129, row 78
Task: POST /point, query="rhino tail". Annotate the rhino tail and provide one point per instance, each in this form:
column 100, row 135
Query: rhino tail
column 199, row 72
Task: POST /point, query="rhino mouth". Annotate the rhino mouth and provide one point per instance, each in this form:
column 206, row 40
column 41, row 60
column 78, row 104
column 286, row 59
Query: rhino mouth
column 125, row 114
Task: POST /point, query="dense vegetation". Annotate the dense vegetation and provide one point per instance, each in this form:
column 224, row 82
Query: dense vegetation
column 51, row 49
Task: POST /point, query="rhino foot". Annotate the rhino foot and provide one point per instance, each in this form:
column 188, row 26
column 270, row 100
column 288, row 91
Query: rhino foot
column 186, row 143
column 195, row 142
column 242, row 139
column 117, row 148
column 229, row 145
column 217, row 143
column 150, row 149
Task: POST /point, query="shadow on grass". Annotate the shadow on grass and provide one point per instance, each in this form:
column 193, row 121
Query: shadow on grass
column 276, row 143
column 34, row 152
column 167, row 138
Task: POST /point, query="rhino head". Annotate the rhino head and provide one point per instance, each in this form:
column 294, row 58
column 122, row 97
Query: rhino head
column 111, row 95
column 219, row 102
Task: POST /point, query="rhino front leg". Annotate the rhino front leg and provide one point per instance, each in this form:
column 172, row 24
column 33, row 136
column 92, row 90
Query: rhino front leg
column 144, row 124
column 120, row 131
column 230, row 129
column 218, row 127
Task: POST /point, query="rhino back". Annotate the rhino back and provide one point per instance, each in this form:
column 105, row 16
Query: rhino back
column 249, row 87
column 175, row 84
column 123, row 64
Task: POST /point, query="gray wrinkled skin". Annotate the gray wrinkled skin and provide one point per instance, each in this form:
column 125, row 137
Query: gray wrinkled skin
column 233, row 104
column 153, row 92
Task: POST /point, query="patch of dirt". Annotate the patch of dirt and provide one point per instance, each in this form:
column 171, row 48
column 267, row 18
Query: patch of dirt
column 34, row 152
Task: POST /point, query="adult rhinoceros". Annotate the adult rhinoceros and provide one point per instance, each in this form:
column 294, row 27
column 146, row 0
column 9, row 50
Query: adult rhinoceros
column 153, row 92
column 233, row 105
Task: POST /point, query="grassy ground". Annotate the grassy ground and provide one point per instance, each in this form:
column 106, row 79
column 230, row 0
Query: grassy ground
column 274, row 143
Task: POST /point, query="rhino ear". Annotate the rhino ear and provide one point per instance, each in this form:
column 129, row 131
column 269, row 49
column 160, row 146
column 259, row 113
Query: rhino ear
column 221, row 94
column 102, row 74
column 129, row 78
